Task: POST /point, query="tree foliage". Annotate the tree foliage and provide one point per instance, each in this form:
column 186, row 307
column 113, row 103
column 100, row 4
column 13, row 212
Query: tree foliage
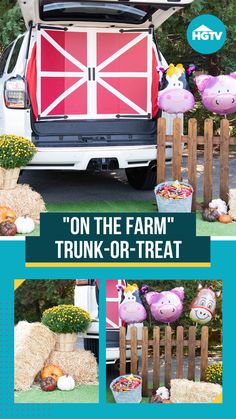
column 11, row 22
column 35, row 296
column 174, row 45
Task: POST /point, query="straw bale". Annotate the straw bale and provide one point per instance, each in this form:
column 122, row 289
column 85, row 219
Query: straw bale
column 185, row 391
column 33, row 344
column 232, row 203
column 80, row 364
column 23, row 201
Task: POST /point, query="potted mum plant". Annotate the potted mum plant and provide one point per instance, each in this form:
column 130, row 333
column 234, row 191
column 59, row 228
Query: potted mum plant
column 15, row 153
column 66, row 321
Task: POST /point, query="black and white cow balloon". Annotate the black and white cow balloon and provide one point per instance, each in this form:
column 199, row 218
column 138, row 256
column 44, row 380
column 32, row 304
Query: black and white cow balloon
column 175, row 95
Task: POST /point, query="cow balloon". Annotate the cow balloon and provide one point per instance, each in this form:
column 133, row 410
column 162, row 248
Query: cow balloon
column 175, row 95
column 166, row 306
column 131, row 309
column 218, row 93
column 202, row 308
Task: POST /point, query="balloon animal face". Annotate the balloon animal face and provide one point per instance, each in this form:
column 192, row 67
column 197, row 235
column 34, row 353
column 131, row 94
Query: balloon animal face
column 175, row 95
column 131, row 309
column 218, row 93
column 202, row 308
column 166, row 306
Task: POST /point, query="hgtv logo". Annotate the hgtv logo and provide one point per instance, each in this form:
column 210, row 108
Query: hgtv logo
column 206, row 34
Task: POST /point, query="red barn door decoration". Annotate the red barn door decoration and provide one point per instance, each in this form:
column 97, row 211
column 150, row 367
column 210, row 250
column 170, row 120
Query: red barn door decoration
column 113, row 297
column 94, row 73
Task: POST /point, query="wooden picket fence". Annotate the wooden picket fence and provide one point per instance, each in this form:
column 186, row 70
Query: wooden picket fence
column 208, row 140
column 153, row 347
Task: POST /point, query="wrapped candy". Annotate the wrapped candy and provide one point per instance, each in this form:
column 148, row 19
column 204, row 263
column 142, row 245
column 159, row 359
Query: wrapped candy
column 174, row 191
column 126, row 383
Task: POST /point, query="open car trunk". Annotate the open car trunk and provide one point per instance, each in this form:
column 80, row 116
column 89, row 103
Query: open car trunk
column 92, row 86
column 92, row 74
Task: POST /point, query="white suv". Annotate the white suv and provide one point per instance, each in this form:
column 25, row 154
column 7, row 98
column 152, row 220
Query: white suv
column 82, row 84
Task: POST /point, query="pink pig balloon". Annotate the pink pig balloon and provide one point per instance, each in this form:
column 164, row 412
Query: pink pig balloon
column 131, row 309
column 175, row 95
column 218, row 93
column 166, row 306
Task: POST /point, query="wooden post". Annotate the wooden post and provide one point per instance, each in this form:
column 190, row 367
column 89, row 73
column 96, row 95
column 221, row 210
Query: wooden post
column 208, row 152
column 134, row 355
column 156, row 357
column 204, row 352
column 161, row 150
column 191, row 352
column 122, row 350
column 177, row 149
column 179, row 352
column 192, row 158
column 167, row 356
column 224, row 159
column 145, row 361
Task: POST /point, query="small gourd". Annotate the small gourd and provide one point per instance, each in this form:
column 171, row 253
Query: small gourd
column 7, row 214
column 7, row 229
column 225, row 219
column 48, row 384
column 51, row 371
column 66, row 383
column 211, row 215
column 24, row 225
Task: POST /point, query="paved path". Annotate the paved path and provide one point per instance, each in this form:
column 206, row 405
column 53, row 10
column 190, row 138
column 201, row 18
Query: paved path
column 59, row 186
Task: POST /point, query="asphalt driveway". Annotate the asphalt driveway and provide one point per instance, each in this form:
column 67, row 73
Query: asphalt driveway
column 72, row 186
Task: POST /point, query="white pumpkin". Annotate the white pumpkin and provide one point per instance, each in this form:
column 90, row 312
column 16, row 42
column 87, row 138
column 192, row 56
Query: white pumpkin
column 66, row 383
column 24, row 225
column 163, row 392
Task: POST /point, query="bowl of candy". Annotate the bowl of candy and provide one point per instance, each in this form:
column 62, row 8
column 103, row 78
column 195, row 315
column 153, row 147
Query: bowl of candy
column 127, row 389
column 174, row 196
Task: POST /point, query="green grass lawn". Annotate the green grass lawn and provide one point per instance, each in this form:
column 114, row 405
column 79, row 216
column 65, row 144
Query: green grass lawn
column 81, row 394
column 203, row 227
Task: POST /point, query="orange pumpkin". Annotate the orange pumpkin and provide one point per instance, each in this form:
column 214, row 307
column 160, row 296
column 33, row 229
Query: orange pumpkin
column 225, row 219
column 51, row 371
column 7, row 214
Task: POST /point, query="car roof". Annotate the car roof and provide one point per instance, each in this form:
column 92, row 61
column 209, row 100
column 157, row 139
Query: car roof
column 162, row 10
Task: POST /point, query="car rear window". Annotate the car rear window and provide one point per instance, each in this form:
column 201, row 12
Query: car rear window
column 95, row 11
column 15, row 54
column 4, row 58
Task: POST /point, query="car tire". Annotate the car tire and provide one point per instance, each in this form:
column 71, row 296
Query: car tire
column 142, row 178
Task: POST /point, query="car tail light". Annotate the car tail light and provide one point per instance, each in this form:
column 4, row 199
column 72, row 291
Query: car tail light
column 15, row 93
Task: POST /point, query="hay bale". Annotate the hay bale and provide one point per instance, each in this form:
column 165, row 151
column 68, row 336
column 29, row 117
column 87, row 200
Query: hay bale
column 81, row 364
column 232, row 203
column 23, row 201
column 185, row 391
column 33, row 344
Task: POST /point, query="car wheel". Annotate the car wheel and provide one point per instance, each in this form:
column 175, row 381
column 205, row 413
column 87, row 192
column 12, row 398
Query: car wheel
column 142, row 178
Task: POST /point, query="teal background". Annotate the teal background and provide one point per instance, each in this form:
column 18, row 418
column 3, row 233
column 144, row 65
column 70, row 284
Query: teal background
column 12, row 256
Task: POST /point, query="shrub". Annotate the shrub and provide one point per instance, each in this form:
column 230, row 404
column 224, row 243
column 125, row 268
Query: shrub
column 66, row 319
column 15, row 151
column 214, row 373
